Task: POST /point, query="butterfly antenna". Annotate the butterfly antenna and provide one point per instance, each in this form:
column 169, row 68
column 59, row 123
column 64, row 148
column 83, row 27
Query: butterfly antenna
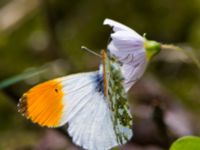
column 90, row 51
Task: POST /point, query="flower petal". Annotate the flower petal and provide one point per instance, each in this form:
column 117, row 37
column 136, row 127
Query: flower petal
column 128, row 47
column 127, row 42
column 118, row 26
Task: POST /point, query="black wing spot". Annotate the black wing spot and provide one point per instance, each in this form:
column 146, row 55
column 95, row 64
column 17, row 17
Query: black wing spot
column 56, row 90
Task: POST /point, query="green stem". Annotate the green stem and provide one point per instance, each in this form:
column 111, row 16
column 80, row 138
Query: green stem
column 190, row 54
column 116, row 148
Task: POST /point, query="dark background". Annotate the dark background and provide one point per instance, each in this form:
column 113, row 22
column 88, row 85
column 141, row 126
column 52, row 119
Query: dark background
column 48, row 34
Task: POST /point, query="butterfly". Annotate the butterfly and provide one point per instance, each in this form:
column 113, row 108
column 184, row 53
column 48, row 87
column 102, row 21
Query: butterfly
column 93, row 104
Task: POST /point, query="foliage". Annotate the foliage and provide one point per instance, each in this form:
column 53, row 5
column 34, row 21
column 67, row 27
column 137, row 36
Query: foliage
column 186, row 143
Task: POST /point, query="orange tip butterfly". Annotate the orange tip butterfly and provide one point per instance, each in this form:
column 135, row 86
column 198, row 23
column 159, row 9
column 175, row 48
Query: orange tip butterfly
column 93, row 104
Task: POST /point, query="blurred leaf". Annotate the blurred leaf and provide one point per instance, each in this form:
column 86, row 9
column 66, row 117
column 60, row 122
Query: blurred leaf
column 20, row 77
column 115, row 148
column 186, row 143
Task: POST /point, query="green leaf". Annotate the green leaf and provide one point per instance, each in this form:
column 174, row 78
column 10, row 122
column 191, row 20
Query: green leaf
column 186, row 143
column 12, row 80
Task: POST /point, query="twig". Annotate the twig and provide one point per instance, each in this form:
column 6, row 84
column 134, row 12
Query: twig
column 158, row 118
column 190, row 54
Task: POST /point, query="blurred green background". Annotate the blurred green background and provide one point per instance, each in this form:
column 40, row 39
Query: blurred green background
column 47, row 35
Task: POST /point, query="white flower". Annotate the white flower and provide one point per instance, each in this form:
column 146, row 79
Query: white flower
column 128, row 47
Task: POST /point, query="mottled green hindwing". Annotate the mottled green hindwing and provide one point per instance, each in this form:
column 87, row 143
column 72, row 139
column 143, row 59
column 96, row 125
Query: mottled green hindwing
column 117, row 99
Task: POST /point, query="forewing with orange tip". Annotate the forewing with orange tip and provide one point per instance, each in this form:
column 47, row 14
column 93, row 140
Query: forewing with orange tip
column 43, row 104
column 93, row 104
column 77, row 100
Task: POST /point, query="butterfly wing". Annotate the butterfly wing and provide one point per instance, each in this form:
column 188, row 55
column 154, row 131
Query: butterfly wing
column 89, row 120
column 44, row 104
column 117, row 99
column 80, row 103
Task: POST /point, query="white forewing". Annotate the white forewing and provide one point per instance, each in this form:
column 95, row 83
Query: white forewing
column 88, row 115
